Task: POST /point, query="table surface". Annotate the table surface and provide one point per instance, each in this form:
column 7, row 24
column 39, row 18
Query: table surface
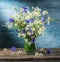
column 8, row 54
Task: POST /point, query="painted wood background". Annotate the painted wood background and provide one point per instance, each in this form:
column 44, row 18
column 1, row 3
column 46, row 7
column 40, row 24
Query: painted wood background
column 9, row 38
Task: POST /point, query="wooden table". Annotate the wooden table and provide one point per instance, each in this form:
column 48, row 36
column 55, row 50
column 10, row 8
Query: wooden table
column 53, row 57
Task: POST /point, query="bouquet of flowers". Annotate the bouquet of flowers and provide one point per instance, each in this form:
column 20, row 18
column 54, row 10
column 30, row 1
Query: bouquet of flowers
column 29, row 24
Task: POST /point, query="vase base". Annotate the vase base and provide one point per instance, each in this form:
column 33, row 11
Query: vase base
column 30, row 53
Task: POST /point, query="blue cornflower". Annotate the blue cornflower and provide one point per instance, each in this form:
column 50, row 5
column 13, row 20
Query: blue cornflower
column 25, row 9
column 23, row 31
column 31, row 20
column 11, row 20
column 31, row 32
column 13, row 48
column 33, row 40
column 16, row 30
column 27, row 21
column 43, row 19
column 48, row 51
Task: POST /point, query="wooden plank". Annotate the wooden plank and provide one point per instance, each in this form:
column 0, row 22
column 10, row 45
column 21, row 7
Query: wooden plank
column 53, row 57
column 8, row 54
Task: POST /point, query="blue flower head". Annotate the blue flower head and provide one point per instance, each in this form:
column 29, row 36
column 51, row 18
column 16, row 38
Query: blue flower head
column 27, row 21
column 48, row 51
column 16, row 30
column 11, row 20
column 43, row 19
column 25, row 9
column 13, row 48
column 31, row 32
column 33, row 40
column 23, row 31
column 31, row 20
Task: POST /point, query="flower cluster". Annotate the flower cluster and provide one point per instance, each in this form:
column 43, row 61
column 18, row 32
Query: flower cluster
column 29, row 24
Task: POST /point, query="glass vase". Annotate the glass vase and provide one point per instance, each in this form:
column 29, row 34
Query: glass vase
column 29, row 48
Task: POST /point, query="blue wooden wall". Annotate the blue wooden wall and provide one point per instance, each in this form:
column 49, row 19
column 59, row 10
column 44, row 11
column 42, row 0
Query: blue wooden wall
column 9, row 38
